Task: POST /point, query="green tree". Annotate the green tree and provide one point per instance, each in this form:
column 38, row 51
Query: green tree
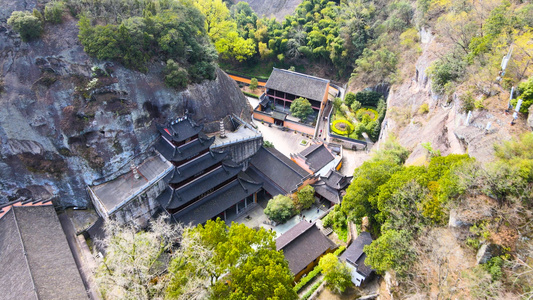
column 53, row 12
column 229, row 262
column 301, row 108
column 253, row 84
column 28, row 26
column 336, row 274
column 356, row 105
column 175, row 76
column 391, row 251
column 280, row 208
column 305, row 198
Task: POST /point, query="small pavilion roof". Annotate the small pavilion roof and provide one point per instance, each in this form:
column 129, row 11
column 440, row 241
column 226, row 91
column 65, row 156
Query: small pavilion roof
column 331, row 194
column 172, row 153
column 336, row 180
column 179, row 129
column 355, row 251
column 298, row 84
column 317, row 156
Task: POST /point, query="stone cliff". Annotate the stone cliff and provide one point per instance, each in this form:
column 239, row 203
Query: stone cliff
column 444, row 125
column 67, row 120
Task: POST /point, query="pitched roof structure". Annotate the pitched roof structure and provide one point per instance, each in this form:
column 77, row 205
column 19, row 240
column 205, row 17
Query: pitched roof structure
column 217, row 202
column 331, row 194
column 354, row 253
column 317, row 156
column 303, row 244
column 180, row 129
column 298, row 84
column 283, row 173
column 172, row 199
column 336, row 180
column 197, row 165
column 35, row 256
column 184, row 152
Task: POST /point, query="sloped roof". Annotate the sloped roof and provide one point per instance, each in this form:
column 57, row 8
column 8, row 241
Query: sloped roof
column 317, row 156
column 355, row 251
column 171, row 199
column 331, row 194
column 179, row 129
column 302, row 244
column 278, row 168
column 336, row 180
column 189, row 169
column 35, row 256
column 298, row 84
column 216, row 203
column 183, row 152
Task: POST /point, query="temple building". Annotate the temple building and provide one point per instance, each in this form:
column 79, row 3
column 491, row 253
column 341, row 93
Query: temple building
column 203, row 183
column 36, row 260
column 317, row 159
column 303, row 245
column 355, row 259
column 284, row 86
column 331, row 187
column 279, row 174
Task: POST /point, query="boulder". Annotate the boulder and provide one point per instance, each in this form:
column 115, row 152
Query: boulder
column 486, row 252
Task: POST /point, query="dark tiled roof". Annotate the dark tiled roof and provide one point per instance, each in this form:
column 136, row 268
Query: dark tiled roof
column 279, row 115
column 275, row 166
column 363, row 268
column 195, row 188
column 184, row 152
column 327, row 192
column 298, row 84
column 302, row 244
column 317, row 156
column 180, row 129
column 336, row 180
column 36, row 231
column 355, row 250
column 194, row 167
column 268, row 184
column 216, row 203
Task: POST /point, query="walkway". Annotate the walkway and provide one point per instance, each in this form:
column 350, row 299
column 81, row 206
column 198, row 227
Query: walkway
column 246, row 80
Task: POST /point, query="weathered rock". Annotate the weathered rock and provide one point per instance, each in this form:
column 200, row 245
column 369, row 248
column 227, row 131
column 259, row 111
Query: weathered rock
column 530, row 118
column 457, row 221
column 486, row 252
column 92, row 125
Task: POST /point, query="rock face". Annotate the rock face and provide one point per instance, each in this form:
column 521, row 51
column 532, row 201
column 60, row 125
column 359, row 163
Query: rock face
column 444, row 126
column 67, row 120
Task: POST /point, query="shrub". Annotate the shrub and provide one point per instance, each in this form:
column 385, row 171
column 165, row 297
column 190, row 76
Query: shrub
column 27, row 25
column 423, row 109
column 349, row 98
column 342, row 127
column 445, row 71
column 336, row 274
column 250, row 95
column 526, row 94
column 253, row 84
column 53, row 12
column 356, row 105
column 280, row 208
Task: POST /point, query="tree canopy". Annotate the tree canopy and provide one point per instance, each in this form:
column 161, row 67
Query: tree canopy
column 301, row 108
column 280, row 208
column 27, row 25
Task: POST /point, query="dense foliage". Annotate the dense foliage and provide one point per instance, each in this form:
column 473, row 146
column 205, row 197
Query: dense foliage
column 280, row 208
column 170, row 31
column 218, row 261
column 336, row 273
column 301, row 108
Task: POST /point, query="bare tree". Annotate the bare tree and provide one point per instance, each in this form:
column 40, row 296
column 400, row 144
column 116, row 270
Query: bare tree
column 136, row 261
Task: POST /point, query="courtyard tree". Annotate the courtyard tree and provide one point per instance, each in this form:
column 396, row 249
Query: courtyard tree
column 135, row 263
column 280, row 208
column 253, row 81
column 336, row 273
column 301, row 108
column 27, row 25
column 222, row 262
column 305, row 197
